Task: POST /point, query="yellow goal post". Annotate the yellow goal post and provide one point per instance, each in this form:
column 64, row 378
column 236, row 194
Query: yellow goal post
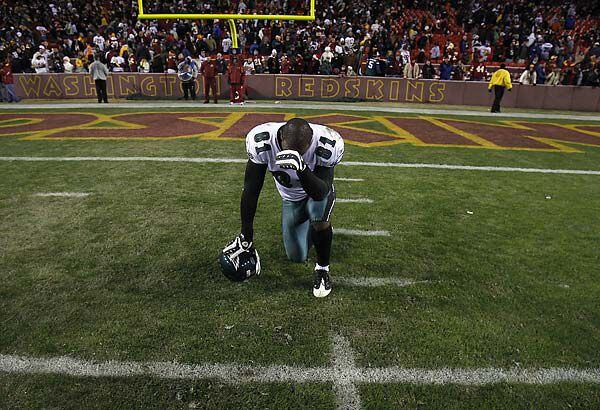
column 142, row 15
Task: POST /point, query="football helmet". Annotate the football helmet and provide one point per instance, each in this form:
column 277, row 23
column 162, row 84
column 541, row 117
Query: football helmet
column 239, row 260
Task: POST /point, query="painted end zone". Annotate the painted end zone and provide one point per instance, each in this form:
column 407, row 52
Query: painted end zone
column 362, row 130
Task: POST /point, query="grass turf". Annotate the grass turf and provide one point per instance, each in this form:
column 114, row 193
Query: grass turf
column 130, row 273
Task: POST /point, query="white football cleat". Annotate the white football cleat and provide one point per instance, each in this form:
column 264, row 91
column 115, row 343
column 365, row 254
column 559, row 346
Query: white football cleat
column 321, row 284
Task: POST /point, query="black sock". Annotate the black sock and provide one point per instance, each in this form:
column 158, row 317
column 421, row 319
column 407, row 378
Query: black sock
column 322, row 241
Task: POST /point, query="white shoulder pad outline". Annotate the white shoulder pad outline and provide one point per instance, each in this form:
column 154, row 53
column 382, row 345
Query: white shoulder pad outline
column 330, row 148
column 258, row 143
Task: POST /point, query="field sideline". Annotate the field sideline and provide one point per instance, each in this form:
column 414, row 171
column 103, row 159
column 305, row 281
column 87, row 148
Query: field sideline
column 465, row 263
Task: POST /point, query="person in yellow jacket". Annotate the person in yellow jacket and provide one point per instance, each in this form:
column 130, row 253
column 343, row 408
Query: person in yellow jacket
column 500, row 82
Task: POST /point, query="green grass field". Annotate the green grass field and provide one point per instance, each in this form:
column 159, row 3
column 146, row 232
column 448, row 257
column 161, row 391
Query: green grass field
column 510, row 264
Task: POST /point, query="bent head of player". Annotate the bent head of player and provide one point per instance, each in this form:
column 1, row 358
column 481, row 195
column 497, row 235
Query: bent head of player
column 296, row 134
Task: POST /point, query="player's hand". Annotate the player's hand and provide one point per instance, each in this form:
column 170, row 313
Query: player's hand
column 290, row 159
column 236, row 247
column 238, row 243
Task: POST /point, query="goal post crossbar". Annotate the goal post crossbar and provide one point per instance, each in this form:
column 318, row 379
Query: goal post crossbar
column 142, row 15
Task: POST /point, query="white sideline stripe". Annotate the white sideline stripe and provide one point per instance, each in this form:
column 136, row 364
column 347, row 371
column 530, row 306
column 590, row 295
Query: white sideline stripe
column 377, row 282
column 349, row 179
column 63, row 194
column 283, row 105
column 356, row 232
column 355, row 201
column 347, row 163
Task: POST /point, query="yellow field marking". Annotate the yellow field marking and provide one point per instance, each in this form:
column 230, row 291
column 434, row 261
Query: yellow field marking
column 30, row 121
column 575, row 128
column 37, row 135
column 401, row 132
column 475, row 138
column 548, row 141
column 350, row 125
column 125, row 125
column 229, row 119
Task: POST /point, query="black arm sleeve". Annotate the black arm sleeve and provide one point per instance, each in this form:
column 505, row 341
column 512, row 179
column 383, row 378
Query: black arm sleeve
column 317, row 184
column 253, row 183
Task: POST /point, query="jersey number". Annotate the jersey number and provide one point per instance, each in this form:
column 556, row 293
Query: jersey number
column 283, row 178
column 260, row 137
column 322, row 151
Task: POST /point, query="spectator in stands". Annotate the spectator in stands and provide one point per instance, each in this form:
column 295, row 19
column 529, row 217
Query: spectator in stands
column 540, row 73
column 39, row 62
column 459, row 71
column 221, row 64
column 373, row 69
column 326, row 67
column 478, row 71
column 528, row 76
column 143, row 66
column 554, row 77
column 394, row 64
column 412, row 70
column 117, row 64
column 273, row 65
column 513, row 31
column 435, row 52
column 428, row 70
column 68, row 67
column 7, row 82
column 99, row 72
column 3, row 96
column 248, row 67
column 446, row 70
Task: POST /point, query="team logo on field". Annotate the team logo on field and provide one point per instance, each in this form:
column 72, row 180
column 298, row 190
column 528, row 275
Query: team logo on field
column 355, row 129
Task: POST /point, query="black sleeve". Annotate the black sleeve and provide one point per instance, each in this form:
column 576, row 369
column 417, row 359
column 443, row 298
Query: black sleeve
column 253, row 183
column 317, row 184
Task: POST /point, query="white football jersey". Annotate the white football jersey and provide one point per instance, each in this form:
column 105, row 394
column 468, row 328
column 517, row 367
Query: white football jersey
column 326, row 150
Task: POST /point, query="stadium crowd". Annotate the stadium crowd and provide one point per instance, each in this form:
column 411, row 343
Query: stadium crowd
column 458, row 40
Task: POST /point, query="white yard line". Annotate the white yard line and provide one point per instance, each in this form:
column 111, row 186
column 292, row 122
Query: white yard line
column 349, row 179
column 130, row 159
column 346, row 392
column 347, row 163
column 377, row 282
column 357, row 232
column 304, row 106
column 354, row 201
column 343, row 373
column 468, row 168
column 63, row 194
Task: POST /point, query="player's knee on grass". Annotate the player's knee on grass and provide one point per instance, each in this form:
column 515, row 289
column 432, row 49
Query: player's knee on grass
column 296, row 255
column 319, row 226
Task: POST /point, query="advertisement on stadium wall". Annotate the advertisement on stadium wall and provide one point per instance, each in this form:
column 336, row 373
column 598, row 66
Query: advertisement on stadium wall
column 303, row 87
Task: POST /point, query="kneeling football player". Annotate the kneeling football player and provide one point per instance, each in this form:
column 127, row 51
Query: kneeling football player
column 301, row 157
